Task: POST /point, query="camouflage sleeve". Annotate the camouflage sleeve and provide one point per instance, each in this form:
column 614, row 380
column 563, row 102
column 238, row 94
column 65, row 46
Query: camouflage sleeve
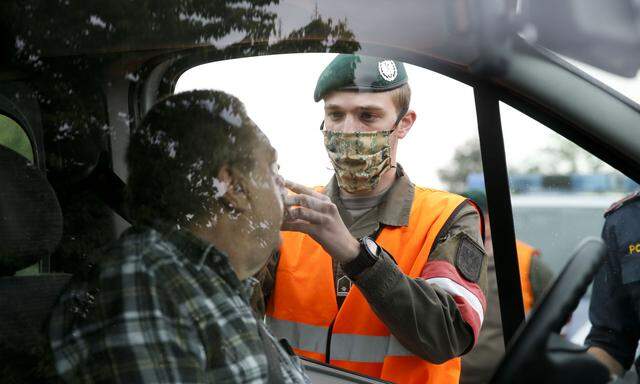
column 466, row 224
column 479, row 364
column 540, row 276
column 423, row 313
column 458, row 265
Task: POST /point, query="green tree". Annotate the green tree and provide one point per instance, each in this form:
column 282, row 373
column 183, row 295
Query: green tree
column 319, row 35
column 466, row 160
column 67, row 45
column 561, row 157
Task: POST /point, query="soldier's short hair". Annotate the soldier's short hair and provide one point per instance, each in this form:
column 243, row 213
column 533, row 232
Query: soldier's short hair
column 401, row 98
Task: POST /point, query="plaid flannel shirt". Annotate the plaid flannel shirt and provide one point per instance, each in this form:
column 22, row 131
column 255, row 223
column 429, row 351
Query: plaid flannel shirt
column 167, row 308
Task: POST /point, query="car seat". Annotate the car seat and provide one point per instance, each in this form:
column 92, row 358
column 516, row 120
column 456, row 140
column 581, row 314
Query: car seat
column 30, row 229
column 78, row 159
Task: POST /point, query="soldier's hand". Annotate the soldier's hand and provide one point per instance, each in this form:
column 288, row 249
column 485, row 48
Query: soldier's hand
column 313, row 213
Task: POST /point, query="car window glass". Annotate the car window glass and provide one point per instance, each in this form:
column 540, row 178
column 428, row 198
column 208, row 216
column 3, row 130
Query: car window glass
column 278, row 94
column 441, row 151
column 559, row 194
column 14, row 137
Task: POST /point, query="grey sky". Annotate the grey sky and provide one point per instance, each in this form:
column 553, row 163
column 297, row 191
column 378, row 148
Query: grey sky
column 278, row 93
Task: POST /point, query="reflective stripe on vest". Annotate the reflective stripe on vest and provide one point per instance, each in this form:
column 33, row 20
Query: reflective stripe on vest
column 306, row 337
column 367, row 349
column 303, row 306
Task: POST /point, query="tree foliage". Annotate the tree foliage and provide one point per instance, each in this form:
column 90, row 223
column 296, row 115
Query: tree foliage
column 72, row 50
column 466, row 160
column 559, row 157
column 67, row 44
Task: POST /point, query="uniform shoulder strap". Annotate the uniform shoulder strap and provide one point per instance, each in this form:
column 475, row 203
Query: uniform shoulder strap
column 622, row 202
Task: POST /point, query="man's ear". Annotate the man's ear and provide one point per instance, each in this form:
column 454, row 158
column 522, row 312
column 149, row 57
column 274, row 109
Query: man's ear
column 405, row 124
column 234, row 195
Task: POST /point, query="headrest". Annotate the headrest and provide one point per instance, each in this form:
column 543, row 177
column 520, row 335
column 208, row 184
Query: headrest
column 30, row 216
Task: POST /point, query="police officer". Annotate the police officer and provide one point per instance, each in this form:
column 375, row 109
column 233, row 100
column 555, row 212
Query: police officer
column 377, row 275
column 615, row 303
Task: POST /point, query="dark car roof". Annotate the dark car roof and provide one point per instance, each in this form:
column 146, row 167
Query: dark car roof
column 464, row 40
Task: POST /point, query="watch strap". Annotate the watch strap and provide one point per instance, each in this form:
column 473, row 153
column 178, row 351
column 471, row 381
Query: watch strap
column 363, row 261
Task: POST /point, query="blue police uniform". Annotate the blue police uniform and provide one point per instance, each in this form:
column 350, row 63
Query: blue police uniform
column 615, row 303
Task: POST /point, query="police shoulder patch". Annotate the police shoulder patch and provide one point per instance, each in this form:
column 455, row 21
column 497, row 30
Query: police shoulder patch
column 469, row 259
column 622, row 202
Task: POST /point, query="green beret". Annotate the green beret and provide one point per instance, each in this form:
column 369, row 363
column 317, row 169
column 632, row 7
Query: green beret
column 360, row 73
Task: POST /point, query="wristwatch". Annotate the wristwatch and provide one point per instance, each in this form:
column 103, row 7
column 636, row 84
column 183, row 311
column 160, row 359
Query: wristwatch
column 369, row 254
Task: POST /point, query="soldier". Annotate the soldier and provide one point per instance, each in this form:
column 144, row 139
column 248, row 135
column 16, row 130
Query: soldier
column 615, row 303
column 377, row 275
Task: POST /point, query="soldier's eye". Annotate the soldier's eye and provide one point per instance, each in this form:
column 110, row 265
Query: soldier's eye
column 368, row 116
column 335, row 115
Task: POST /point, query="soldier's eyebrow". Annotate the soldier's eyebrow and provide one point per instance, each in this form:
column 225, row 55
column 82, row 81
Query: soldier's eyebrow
column 372, row 108
column 331, row 107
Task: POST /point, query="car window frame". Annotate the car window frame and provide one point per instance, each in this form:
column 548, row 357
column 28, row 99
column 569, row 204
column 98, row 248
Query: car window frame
column 556, row 123
column 488, row 95
column 512, row 315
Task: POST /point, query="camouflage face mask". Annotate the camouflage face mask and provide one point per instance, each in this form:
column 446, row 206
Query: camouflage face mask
column 358, row 158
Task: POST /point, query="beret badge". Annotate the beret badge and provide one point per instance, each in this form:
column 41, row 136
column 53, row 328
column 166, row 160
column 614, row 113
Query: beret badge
column 388, row 70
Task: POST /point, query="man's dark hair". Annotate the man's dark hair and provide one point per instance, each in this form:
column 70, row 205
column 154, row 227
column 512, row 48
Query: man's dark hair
column 177, row 151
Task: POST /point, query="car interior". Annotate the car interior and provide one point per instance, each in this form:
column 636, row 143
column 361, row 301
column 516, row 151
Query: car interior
column 76, row 77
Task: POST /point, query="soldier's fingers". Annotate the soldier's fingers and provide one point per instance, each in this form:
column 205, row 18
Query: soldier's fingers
column 297, row 226
column 297, row 188
column 307, row 214
column 291, row 200
column 307, row 201
column 301, row 189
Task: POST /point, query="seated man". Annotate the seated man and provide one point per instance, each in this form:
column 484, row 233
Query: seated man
column 168, row 302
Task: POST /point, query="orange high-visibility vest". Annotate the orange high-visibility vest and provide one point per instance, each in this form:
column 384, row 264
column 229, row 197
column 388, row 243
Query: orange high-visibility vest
column 303, row 307
column 525, row 253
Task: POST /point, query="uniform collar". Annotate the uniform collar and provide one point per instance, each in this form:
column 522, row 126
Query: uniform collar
column 395, row 209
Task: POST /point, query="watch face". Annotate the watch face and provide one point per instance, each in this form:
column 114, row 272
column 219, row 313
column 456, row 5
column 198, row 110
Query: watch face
column 371, row 245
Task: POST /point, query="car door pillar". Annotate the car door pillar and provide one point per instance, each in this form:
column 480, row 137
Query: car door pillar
column 499, row 201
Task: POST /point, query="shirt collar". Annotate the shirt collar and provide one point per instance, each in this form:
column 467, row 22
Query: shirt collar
column 200, row 253
column 197, row 250
column 249, row 285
